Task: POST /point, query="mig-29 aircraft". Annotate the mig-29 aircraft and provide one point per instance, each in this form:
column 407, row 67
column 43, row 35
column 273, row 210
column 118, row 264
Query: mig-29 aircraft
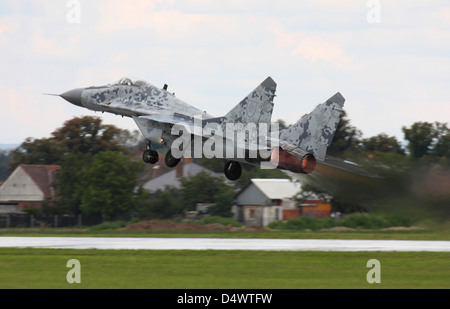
column 161, row 117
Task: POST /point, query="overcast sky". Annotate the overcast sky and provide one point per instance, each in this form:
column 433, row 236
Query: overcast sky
column 389, row 59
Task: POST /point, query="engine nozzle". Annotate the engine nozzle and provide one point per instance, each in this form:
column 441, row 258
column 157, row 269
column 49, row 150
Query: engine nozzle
column 299, row 164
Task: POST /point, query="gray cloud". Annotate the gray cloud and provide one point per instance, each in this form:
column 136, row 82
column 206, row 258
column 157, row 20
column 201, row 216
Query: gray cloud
column 212, row 53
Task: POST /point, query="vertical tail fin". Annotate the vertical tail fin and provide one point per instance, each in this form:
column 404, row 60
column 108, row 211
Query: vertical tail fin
column 314, row 132
column 257, row 107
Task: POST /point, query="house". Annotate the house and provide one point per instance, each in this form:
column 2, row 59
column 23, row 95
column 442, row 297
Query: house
column 186, row 168
column 267, row 200
column 264, row 200
column 28, row 186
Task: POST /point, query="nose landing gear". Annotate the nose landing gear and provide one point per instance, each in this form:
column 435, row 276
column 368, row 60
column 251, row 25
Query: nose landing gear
column 149, row 155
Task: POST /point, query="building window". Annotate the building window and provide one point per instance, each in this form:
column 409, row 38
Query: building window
column 252, row 213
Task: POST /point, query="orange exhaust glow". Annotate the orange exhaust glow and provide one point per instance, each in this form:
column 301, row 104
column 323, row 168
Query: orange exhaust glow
column 285, row 160
column 309, row 164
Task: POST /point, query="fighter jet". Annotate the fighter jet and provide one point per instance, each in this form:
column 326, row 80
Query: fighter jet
column 176, row 129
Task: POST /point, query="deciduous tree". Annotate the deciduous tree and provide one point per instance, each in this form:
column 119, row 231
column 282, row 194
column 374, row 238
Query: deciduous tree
column 79, row 135
column 420, row 138
column 382, row 143
column 108, row 185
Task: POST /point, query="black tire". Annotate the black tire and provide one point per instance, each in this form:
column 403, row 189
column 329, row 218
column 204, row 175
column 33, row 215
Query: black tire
column 170, row 160
column 150, row 156
column 233, row 170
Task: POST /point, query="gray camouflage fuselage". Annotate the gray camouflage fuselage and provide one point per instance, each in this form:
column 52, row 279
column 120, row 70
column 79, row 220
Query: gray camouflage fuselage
column 157, row 111
column 136, row 101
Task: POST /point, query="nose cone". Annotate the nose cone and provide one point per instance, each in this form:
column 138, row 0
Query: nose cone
column 73, row 96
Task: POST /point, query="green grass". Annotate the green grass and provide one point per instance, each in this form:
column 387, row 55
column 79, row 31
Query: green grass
column 215, row 269
column 211, row 269
column 437, row 234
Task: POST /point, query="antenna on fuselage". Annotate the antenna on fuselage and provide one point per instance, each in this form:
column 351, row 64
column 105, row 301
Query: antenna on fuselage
column 165, row 87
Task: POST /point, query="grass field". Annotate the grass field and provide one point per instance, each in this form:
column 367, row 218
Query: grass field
column 210, row 269
column 436, row 234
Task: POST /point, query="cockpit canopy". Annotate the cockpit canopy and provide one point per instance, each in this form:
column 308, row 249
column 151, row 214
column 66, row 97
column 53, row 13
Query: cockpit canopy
column 129, row 82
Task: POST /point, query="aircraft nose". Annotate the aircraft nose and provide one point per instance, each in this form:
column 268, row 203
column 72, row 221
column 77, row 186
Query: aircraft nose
column 73, row 96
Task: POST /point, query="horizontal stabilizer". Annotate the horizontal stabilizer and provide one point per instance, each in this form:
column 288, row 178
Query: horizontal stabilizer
column 348, row 166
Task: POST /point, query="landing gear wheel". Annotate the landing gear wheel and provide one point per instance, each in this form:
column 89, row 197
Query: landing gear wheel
column 170, row 160
column 150, row 156
column 233, row 170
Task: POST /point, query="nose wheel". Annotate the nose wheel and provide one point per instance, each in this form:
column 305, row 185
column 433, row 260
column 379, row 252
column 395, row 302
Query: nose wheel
column 149, row 155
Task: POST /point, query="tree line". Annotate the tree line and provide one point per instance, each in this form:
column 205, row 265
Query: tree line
column 99, row 176
column 414, row 174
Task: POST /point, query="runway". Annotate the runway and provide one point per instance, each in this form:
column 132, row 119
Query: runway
column 120, row 243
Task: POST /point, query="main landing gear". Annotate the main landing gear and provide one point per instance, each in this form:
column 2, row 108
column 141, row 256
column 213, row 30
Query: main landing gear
column 170, row 160
column 233, row 170
column 151, row 156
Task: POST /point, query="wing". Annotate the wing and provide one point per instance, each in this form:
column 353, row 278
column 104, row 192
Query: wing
column 169, row 119
column 159, row 126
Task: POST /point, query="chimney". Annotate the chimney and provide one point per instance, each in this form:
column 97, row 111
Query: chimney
column 180, row 167
column 179, row 170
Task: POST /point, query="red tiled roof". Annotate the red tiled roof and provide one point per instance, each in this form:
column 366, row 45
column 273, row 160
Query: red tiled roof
column 43, row 176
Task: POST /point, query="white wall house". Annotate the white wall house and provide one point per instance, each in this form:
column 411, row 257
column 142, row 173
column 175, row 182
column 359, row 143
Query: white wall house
column 264, row 200
column 27, row 186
